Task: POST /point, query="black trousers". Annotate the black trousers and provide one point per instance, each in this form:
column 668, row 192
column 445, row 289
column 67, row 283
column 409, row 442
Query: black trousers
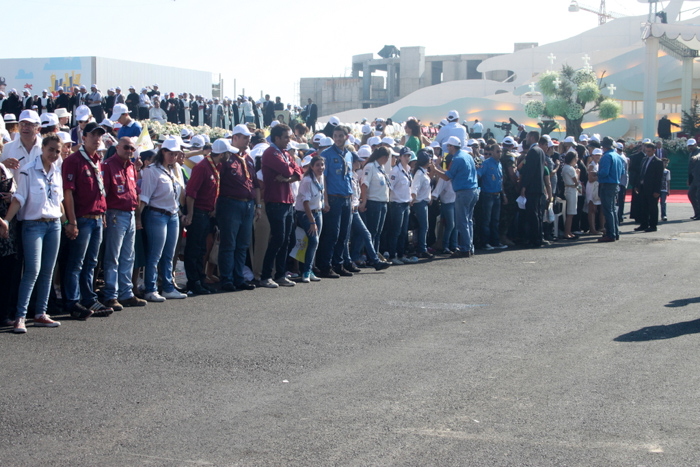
column 648, row 209
column 533, row 217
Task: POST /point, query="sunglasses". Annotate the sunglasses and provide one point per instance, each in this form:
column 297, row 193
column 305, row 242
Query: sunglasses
column 130, row 148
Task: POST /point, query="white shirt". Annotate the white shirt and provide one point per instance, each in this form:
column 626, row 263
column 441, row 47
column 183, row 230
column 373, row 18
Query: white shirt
column 39, row 194
column 444, row 191
column 247, row 108
column 157, row 114
column 478, row 128
column 375, row 179
column 421, row 185
column 16, row 150
column 310, row 191
column 400, row 184
column 161, row 187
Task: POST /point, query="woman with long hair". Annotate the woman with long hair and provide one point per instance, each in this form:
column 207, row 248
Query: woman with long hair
column 400, row 202
column 309, row 207
column 420, row 194
column 162, row 192
column 374, row 193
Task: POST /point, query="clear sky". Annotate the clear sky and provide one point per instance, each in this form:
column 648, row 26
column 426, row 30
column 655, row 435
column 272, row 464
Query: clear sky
column 268, row 45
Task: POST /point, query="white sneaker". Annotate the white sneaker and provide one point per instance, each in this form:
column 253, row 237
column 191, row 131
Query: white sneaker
column 501, row 246
column 154, row 297
column 313, row 277
column 284, row 282
column 396, row 262
column 174, row 295
column 488, row 247
column 269, row 283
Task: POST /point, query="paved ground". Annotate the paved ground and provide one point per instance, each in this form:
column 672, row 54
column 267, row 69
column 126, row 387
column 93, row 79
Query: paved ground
column 578, row 354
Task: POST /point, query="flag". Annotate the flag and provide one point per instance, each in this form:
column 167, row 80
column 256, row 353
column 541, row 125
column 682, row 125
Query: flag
column 144, row 143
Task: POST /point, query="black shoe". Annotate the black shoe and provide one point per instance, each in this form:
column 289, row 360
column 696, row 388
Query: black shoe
column 229, row 287
column 426, row 255
column 79, row 312
column 328, row 274
column 650, row 229
column 640, row 228
column 100, row 310
column 341, row 271
column 461, row 254
column 316, row 271
column 198, row 289
column 351, row 267
column 245, row 286
column 380, row 265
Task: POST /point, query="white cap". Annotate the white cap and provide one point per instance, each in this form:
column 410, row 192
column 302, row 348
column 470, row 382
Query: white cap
column 569, row 140
column 206, row 138
column 692, row 142
column 173, row 143
column 10, row 118
column 583, row 137
column 646, row 140
column 118, row 111
column 597, row 152
column 197, row 141
column 29, row 116
column 334, row 121
column 472, row 142
column 274, row 123
column 454, row 141
column 364, row 152
column 107, row 122
column 241, row 130
column 508, row 140
column 45, row 91
column 221, row 146
column 318, row 137
column 292, row 145
column 306, row 161
column 434, row 144
column 366, row 129
column 184, row 133
column 388, row 140
column 619, row 146
column 594, row 138
column 144, row 89
column 60, row 113
column 468, row 150
column 325, row 142
column 83, row 113
column 118, row 88
column 374, row 141
column 49, row 119
column 60, row 88
column 453, row 116
column 65, row 137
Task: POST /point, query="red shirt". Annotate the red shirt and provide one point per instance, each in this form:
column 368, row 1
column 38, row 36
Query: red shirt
column 120, row 184
column 203, row 185
column 79, row 177
column 238, row 180
column 276, row 162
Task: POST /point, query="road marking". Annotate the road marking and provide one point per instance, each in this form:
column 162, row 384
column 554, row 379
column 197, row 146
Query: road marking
column 436, row 306
column 168, row 459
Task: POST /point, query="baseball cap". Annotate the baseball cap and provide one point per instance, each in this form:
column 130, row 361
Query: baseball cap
column 29, row 116
column 406, row 150
column 92, row 127
column 434, row 144
column 597, row 152
column 569, row 140
column 65, row 137
column 454, row 141
column 184, row 133
column 241, row 130
column 472, row 142
column 306, row 161
column 198, row 141
column 508, row 141
column 107, row 122
column 364, row 152
column 82, row 113
column 49, row 119
column 334, row 121
column 173, row 143
column 366, row 129
column 388, row 140
column 221, row 146
column 453, row 116
column 318, row 137
column 692, row 142
column 325, row 142
column 374, row 141
column 118, row 111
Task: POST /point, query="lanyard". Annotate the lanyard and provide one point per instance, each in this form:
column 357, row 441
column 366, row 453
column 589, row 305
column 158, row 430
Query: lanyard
column 95, row 170
column 172, row 180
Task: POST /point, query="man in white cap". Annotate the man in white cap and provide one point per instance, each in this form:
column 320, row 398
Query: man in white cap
column 453, row 128
column 25, row 149
column 27, row 100
column 694, row 177
column 45, row 102
column 130, row 127
column 94, row 101
column 238, row 206
column 119, row 98
column 462, row 173
column 144, row 104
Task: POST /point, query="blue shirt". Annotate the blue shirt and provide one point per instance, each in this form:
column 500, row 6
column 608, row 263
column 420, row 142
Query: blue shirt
column 130, row 131
column 491, row 176
column 338, row 171
column 462, row 172
column 611, row 167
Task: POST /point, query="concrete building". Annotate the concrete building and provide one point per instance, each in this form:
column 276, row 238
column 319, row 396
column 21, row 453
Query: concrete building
column 380, row 81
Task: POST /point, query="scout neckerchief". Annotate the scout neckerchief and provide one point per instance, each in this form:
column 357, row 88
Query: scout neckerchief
column 284, row 154
column 319, row 185
column 217, row 176
column 48, row 179
column 381, row 169
column 172, row 180
column 95, row 170
column 341, row 153
column 244, row 164
column 407, row 174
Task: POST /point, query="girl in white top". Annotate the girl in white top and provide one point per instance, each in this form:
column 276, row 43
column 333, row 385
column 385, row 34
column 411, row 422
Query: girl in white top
column 570, row 176
column 374, row 193
column 309, row 207
column 400, row 180
column 38, row 201
column 446, row 194
column 420, row 191
column 592, row 197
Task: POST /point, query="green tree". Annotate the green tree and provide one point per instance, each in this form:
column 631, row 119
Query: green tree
column 690, row 122
column 572, row 94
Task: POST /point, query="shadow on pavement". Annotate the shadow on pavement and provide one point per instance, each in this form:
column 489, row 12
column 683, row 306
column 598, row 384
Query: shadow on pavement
column 682, row 302
column 651, row 333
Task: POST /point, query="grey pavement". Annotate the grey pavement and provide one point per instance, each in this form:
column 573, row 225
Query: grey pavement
column 579, row 354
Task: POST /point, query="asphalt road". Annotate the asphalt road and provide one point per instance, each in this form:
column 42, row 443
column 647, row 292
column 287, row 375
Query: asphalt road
column 576, row 354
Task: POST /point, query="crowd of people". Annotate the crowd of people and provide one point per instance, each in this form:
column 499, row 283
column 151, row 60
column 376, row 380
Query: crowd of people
column 282, row 206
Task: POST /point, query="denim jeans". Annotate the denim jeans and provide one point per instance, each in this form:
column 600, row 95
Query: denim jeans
column 312, row 246
column 235, row 220
column 398, row 228
column 421, row 211
column 608, row 194
column 664, row 195
column 621, row 203
column 120, row 234
column 374, row 218
column 464, row 217
column 492, row 218
column 281, row 218
column 449, row 235
column 361, row 237
column 162, row 232
column 336, row 232
column 40, row 241
column 196, row 246
column 82, row 260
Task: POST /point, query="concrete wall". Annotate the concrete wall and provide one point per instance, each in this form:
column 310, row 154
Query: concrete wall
column 412, row 70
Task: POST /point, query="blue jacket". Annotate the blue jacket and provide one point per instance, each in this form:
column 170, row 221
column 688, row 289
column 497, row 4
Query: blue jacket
column 611, row 167
column 463, row 172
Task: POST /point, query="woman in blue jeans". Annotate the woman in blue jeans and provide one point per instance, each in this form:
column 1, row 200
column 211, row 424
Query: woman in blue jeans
column 374, row 193
column 309, row 205
column 420, row 192
column 38, row 201
column 400, row 180
column 162, row 192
